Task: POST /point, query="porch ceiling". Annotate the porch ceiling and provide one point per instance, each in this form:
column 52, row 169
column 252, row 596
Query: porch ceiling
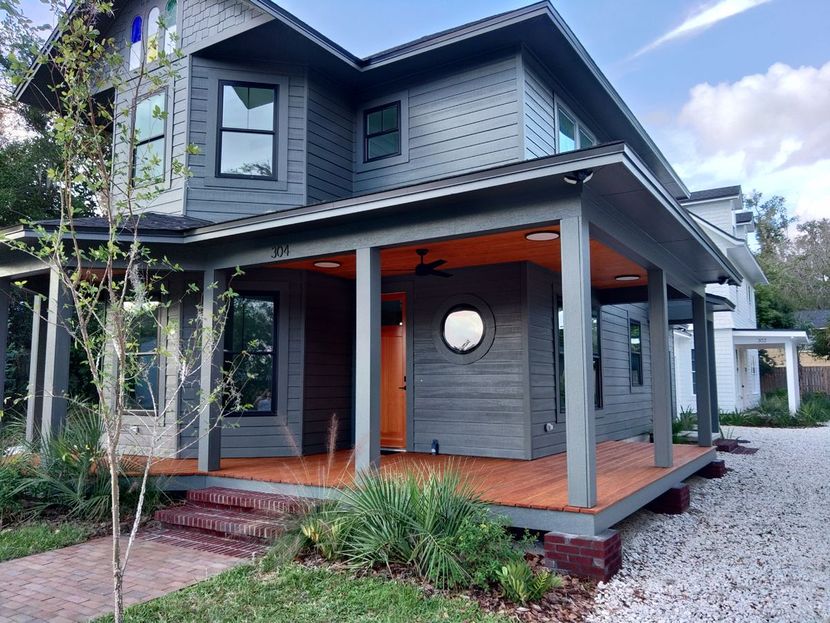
column 501, row 248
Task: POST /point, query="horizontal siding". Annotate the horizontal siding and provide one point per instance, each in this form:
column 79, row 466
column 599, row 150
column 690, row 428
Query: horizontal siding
column 467, row 119
column 540, row 127
column 474, row 409
column 331, row 137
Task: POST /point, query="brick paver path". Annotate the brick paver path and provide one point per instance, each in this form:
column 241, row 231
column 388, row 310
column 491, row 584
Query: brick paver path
column 75, row 583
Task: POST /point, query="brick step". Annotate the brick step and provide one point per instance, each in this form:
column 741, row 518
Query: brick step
column 240, row 523
column 203, row 541
column 234, row 499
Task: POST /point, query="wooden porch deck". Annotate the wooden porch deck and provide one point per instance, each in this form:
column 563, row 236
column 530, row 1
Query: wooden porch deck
column 623, row 469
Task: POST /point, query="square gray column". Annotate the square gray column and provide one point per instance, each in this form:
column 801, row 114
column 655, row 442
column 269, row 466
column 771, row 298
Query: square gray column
column 703, row 370
column 661, row 397
column 210, row 371
column 580, row 424
column 37, row 365
column 713, row 372
column 58, row 345
column 5, row 297
column 367, row 360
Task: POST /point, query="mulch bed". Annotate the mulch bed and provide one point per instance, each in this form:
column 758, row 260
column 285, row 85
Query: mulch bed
column 572, row 603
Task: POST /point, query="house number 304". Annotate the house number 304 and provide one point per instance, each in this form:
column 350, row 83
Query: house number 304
column 279, row 250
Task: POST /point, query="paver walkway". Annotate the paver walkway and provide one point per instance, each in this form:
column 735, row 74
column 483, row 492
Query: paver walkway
column 75, row 583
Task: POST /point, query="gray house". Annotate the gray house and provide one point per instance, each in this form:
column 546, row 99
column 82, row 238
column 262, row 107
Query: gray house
column 464, row 245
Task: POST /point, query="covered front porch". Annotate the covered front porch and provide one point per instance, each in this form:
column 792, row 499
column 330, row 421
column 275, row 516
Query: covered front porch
column 533, row 494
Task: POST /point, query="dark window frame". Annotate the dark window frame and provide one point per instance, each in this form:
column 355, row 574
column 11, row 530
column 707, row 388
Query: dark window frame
column 463, row 307
column 559, row 354
column 220, row 128
column 640, row 381
column 228, row 354
column 133, row 406
column 143, row 141
column 367, row 135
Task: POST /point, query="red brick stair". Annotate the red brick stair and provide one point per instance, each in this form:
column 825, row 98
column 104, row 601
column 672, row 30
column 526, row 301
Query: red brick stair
column 228, row 521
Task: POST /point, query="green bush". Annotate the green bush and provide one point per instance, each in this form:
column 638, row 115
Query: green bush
column 773, row 411
column 520, row 585
column 433, row 523
column 11, row 485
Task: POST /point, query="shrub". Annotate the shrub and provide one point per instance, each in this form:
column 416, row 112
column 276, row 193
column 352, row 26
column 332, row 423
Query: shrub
column 11, row 485
column 774, row 411
column 433, row 523
column 520, row 585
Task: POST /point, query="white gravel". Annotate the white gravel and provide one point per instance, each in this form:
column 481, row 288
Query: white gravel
column 754, row 546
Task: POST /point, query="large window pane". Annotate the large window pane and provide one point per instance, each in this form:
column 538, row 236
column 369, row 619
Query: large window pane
column 149, row 159
column 253, row 324
column 383, row 145
column 244, row 153
column 567, row 131
column 142, row 373
column 253, row 377
column 248, row 108
column 636, row 349
column 585, row 139
column 148, row 122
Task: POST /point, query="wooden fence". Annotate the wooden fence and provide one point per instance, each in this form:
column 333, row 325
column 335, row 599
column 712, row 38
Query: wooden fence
column 812, row 379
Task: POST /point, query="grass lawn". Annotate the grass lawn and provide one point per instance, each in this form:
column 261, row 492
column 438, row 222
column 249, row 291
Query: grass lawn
column 296, row 594
column 39, row 536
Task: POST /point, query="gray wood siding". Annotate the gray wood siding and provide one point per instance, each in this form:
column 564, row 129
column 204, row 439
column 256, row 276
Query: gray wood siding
column 329, row 362
column 263, row 436
column 539, row 122
column 203, row 20
column 626, row 410
column 475, row 409
column 218, row 199
column 466, row 119
column 331, row 139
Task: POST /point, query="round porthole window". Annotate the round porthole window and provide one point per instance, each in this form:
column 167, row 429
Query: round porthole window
column 463, row 329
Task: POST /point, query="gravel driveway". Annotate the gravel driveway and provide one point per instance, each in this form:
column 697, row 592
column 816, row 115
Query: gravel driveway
column 755, row 545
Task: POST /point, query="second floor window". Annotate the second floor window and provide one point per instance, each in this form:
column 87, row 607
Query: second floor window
column 247, row 130
column 150, row 122
column 635, row 338
column 572, row 134
column 382, row 132
column 136, row 47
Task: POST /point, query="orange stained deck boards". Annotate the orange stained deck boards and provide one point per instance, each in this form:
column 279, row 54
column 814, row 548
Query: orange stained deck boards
column 623, row 468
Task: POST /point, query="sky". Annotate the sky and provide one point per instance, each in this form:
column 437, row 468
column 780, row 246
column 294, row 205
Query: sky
column 732, row 91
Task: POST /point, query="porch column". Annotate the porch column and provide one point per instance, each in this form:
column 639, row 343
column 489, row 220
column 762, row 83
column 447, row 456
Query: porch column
column 702, row 370
column 713, row 372
column 58, row 345
column 5, row 297
column 793, row 383
column 580, row 426
column 661, row 396
column 210, row 430
column 37, row 363
column 367, row 360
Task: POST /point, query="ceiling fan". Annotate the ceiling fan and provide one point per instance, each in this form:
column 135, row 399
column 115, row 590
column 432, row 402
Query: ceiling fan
column 425, row 269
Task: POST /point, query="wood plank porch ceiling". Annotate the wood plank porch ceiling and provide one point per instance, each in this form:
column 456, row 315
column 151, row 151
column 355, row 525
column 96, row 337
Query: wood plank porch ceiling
column 504, row 247
column 623, row 468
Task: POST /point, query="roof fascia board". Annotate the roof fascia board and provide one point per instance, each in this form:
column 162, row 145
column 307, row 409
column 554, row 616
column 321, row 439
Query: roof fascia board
column 695, row 202
column 639, row 170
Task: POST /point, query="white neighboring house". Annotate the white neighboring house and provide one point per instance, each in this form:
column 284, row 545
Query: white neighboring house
column 721, row 215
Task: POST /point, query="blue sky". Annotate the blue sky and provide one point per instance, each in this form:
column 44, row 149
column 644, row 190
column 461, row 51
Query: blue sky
column 733, row 91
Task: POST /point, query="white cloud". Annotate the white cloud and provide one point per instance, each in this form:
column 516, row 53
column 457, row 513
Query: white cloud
column 766, row 131
column 703, row 17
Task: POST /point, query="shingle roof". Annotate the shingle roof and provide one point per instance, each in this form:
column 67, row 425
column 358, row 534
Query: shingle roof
column 713, row 193
column 147, row 222
column 818, row 318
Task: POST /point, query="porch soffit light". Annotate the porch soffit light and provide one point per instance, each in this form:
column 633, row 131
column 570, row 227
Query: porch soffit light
column 542, row 236
column 327, row 264
column 578, row 177
column 627, row 277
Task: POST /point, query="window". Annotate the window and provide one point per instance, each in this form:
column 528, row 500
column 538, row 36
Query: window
column 250, row 350
column 170, row 31
column 572, row 133
column 382, row 132
column 153, row 34
column 136, row 48
column 150, row 122
column 247, row 130
column 142, row 376
column 463, row 329
column 635, row 331
column 597, row 355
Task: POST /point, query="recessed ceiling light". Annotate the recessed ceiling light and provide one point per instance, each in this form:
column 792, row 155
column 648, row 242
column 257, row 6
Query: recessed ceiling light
column 327, row 264
column 541, row 236
column 627, row 277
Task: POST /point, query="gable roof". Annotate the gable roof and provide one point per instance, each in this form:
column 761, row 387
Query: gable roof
column 709, row 194
column 817, row 318
column 538, row 27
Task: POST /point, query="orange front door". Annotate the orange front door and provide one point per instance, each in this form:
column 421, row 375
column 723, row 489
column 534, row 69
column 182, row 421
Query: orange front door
column 393, row 371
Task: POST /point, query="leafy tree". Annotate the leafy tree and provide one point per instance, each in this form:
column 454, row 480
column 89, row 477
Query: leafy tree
column 773, row 311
